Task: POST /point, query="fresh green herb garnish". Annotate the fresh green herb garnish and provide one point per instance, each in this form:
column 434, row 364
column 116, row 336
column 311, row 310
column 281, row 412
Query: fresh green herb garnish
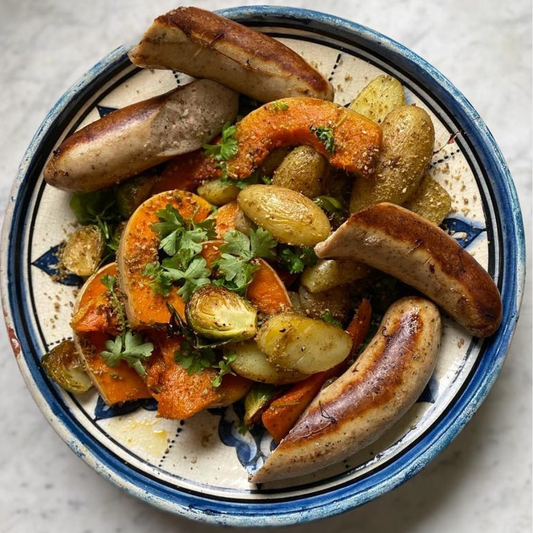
column 224, row 367
column 330, row 319
column 194, row 276
column 324, row 135
column 127, row 346
column 181, row 239
column 130, row 348
column 227, row 148
column 279, row 106
column 235, row 262
column 296, row 258
column 99, row 208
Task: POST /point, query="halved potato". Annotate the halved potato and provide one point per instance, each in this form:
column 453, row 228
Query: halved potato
column 300, row 344
column 379, row 98
column 251, row 363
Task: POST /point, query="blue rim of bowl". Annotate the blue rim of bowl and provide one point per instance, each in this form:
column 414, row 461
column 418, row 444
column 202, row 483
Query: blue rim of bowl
column 353, row 494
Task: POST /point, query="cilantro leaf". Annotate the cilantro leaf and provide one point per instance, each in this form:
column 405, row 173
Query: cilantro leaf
column 237, row 272
column 224, row 367
column 262, row 243
column 330, row 319
column 296, row 258
column 325, row 135
column 130, row 348
column 161, row 282
column 192, row 359
column 227, row 148
column 236, row 243
column 196, row 275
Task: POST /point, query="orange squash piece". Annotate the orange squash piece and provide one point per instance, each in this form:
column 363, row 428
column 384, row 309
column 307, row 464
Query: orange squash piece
column 187, row 171
column 290, row 122
column 181, row 395
column 139, row 246
column 225, row 217
column 115, row 384
column 266, row 291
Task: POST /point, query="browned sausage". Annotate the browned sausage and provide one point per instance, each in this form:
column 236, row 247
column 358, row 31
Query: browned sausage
column 206, row 45
column 408, row 247
column 139, row 136
column 362, row 404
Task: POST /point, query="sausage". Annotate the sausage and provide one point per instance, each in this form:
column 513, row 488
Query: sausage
column 412, row 249
column 365, row 401
column 139, row 136
column 205, row 45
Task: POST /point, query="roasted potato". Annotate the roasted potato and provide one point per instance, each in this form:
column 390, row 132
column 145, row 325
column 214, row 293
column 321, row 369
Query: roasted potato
column 379, row 98
column 303, row 170
column 250, row 362
column 218, row 193
column 407, row 149
column 329, row 273
column 336, row 301
column 301, row 344
column 430, row 201
column 288, row 215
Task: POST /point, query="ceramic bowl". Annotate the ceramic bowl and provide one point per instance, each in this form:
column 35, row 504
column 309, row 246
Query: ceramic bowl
column 199, row 468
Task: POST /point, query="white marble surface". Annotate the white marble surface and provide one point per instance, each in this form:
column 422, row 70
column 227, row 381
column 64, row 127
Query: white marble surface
column 482, row 481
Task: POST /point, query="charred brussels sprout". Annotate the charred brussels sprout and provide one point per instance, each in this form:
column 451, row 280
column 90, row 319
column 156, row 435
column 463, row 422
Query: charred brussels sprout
column 218, row 313
column 62, row 365
column 84, row 251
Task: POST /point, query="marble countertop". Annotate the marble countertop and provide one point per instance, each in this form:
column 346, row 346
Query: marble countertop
column 482, row 481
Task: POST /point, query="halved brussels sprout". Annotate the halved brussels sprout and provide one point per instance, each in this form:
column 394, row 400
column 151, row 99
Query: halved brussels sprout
column 62, row 365
column 297, row 343
column 133, row 192
column 257, row 400
column 83, row 252
column 218, row 313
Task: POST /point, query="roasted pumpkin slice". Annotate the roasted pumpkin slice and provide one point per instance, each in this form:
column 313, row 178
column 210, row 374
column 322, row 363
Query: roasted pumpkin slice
column 115, row 384
column 181, row 395
column 139, row 246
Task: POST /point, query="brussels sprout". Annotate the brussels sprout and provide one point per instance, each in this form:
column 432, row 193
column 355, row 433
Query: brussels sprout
column 133, row 192
column 63, row 366
column 84, row 250
column 256, row 401
column 218, row 313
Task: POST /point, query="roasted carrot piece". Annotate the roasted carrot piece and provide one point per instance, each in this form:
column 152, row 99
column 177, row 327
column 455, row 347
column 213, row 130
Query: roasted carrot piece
column 187, row 171
column 266, row 291
column 225, row 217
column 349, row 140
column 181, row 395
column 211, row 251
column 139, row 246
column 360, row 323
column 283, row 412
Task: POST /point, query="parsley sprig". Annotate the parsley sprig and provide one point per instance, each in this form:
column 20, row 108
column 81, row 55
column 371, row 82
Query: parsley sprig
column 225, row 150
column 127, row 346
column 181, row 240
column 235, row 265
column 296, row 258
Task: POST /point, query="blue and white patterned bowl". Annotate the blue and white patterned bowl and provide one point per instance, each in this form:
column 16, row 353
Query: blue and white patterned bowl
column 198, row 468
